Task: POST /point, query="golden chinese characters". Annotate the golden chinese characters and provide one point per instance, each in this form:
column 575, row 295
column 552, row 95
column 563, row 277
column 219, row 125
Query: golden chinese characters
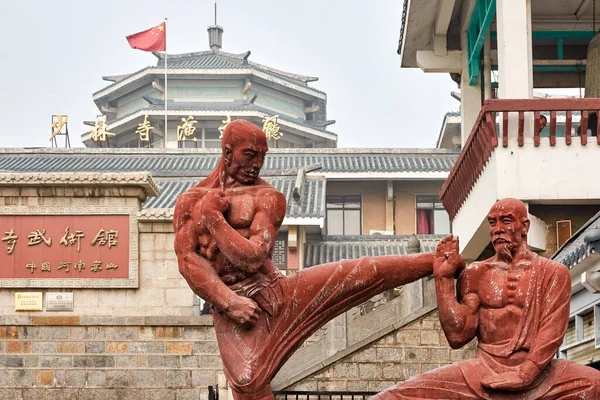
column 96, row 266
column 225, row 122
column 46, row 266
column 11, row 240
column 31, row 266
column 58, row 125
column 64, row 265
column 271, row 128
column 79, row 265
column 37, row 237
column 99, row 132
column 186, row 129
column 104, row 237
column 143, row 130
column 70, row 239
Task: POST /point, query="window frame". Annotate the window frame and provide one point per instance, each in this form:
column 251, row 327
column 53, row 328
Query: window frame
column 433, row 209
column 344, row 196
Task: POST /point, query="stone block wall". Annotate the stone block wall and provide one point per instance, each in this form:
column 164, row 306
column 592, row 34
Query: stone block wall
column 407, row 352
column 162, row 290
column 163, row 358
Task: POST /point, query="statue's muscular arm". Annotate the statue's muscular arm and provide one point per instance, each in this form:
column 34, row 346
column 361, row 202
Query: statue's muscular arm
column 199, row 272
column 459, row 317
column 249, row 254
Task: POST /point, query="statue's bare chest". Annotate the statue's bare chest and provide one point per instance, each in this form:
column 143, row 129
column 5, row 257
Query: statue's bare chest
column 239, row 216
column 502, row 288
column 242, row 211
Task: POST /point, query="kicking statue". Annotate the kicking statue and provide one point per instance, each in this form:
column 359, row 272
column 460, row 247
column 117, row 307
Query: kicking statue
column 225, row 230
column 517, row 305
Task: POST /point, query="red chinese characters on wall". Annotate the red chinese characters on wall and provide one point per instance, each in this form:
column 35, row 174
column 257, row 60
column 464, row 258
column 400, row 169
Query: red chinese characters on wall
column 64, row 246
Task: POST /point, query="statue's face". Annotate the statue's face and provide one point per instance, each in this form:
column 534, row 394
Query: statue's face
column 245, row 158
column 508, row 228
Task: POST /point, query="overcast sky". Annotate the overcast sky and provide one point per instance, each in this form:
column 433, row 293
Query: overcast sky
column 54, row 53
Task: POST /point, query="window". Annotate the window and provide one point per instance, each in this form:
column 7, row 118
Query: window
column 343, row 215
column 204, row 138
column 431, row 216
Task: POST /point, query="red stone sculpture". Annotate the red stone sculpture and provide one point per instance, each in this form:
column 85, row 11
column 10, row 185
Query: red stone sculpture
column 517, row 305
column 225, row 230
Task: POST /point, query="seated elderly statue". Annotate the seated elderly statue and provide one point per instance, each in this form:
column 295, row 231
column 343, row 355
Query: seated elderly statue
column 517, row 305
column 225, row 231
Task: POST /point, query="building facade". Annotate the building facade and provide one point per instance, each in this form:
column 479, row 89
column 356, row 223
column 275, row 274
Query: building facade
column 499, row 52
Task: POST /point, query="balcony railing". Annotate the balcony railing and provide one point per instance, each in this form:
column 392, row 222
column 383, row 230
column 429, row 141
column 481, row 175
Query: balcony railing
column 484, row 137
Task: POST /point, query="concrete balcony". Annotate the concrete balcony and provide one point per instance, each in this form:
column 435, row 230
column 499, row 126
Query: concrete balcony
column 505, row 156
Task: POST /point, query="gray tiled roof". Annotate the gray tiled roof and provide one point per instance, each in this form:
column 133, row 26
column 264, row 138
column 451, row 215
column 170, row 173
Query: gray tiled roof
column 213, row 106
column 199, row 163
column 579, row 246
column 217, row 60
column 220, row 59
column 335, row 248
column 311, row 204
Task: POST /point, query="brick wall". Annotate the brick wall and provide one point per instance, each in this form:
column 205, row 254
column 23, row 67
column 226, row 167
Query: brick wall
column 163, row 358
column 407, row 352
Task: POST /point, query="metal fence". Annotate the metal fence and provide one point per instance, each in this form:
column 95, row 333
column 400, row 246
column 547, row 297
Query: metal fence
column 321, row 395
column 213, row 394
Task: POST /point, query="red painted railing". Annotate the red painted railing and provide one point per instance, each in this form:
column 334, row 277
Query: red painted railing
column 483, row 138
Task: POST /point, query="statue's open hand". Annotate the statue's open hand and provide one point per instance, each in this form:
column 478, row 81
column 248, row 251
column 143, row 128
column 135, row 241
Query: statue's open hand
column 243, row 311
column 511, row 381
column 215, row 200
column 447, row 258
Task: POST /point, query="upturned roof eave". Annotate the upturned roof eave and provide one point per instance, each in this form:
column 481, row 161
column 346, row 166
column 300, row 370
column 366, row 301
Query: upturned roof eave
column 242, row 70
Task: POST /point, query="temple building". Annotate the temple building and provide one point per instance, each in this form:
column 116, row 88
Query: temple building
column 203, row 90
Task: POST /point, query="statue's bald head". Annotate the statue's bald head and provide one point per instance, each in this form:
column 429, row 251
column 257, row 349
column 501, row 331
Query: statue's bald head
column 241, row 132
column 517, row 208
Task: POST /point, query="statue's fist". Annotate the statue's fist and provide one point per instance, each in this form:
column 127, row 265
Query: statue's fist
column 243, row 311
column 447, row 258
column 215, row 200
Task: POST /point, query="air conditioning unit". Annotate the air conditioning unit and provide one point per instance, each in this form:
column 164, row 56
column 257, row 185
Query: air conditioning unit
column 377, row 232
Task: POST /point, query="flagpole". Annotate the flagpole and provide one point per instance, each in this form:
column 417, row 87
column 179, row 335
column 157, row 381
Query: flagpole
column 166, row 85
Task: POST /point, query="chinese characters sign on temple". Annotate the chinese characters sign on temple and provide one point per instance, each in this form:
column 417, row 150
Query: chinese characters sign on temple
column 69, row 246
column 271, row 128
column 143, row 130
column 99, row 132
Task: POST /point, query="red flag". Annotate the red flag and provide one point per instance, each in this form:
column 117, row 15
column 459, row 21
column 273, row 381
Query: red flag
column 153, row 39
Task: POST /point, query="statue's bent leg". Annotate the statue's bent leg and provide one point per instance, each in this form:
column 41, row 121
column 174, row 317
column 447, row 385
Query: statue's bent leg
column 295, row 307
column 443, row 383
column 576, row 382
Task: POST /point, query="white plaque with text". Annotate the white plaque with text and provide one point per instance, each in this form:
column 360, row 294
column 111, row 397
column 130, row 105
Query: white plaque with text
column 59, row 301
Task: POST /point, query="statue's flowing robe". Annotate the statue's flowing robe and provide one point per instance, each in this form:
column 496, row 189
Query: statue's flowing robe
column 537, row 337
column 292, row 308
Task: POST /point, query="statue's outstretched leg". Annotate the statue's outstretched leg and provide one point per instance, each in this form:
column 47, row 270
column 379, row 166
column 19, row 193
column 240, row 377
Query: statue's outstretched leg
column 294, row 307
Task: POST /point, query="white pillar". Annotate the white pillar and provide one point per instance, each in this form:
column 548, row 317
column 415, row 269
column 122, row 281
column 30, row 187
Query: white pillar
column 487, row 68
column 515, row 73
column 470, row 96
